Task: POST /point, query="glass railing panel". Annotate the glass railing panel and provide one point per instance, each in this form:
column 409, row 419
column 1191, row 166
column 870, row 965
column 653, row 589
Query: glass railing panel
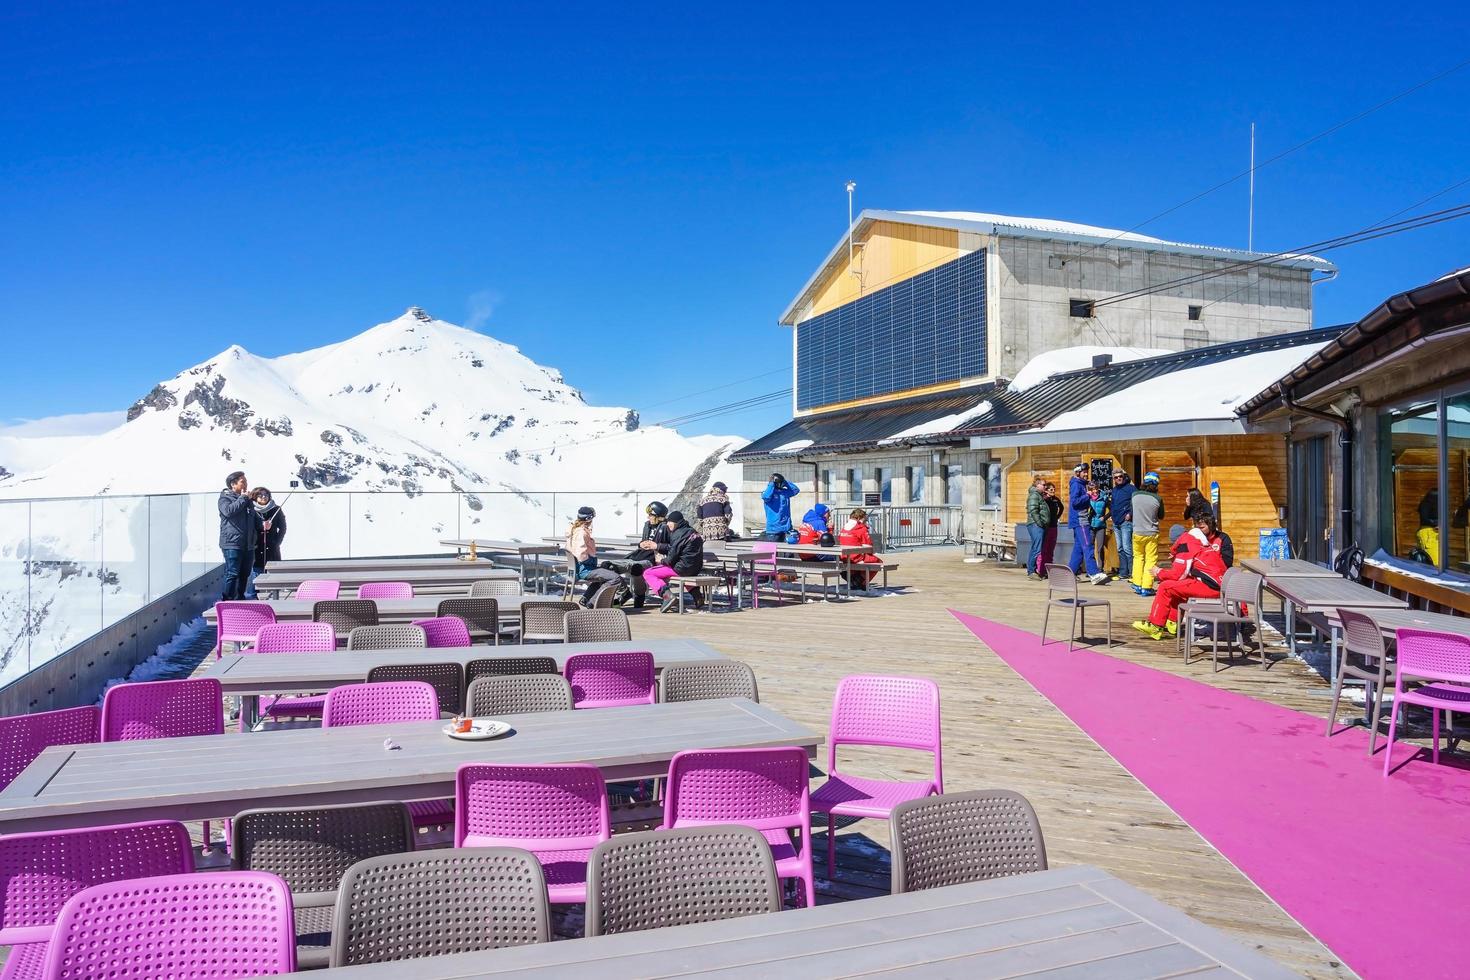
column 125, row 567
column 166, row 542
column 389, row 523
column 67, row 576
column 15, row 598
column 318, row 524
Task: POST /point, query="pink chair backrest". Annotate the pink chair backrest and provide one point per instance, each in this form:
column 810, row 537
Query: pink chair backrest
column 562, row 806
column 895, row 711
column 22, row 737
column 379, row 703
column 221, row 924
column 385, row 590
column 1434, row 655
column 767, row 548
column 605, row 680
column 296, row 638
column 39, row 872
column 445, row 631
column 240, row 621
column 318, row 588
column 163, row 709
column 761, row 788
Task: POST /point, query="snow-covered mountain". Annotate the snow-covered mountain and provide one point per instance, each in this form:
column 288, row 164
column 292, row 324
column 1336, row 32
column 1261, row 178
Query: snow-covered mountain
column 411, row 410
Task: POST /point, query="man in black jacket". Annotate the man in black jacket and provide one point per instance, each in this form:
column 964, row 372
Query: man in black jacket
column 683, row 555
column 655, row 534
column 238, row 531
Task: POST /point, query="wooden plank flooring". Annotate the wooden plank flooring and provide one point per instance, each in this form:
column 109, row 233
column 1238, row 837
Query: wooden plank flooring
column 1000, row 733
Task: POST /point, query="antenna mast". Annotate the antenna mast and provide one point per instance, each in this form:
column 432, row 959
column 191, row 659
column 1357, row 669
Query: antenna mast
column 1250, row 234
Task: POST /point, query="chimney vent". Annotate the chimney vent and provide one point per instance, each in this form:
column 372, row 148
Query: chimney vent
column 1101, row 360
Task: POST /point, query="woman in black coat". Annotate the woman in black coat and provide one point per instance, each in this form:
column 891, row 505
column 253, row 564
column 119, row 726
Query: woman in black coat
column 272, row 528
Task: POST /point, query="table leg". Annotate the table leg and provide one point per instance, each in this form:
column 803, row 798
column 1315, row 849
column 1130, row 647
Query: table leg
column 249, row 712
column 1290, row 611
column 1332, row 641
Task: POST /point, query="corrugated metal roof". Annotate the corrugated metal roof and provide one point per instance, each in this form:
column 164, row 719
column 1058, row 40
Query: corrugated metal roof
column 865, row 428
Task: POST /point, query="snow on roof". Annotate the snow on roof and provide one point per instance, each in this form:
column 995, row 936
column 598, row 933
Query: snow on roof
column 793, row 447
column 1211, row 391
column 945, row 423
column 1063, row 359
column 1046, row 225
column 1451, row 275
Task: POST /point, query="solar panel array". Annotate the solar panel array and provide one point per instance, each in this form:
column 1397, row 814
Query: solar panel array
column 923, row 331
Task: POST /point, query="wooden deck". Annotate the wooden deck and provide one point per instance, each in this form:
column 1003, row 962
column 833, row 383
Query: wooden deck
column 999, row 732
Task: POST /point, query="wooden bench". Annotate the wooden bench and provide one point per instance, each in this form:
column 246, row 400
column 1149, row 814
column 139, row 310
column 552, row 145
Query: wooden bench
column 711, row 582
column 1419, row 594
column 996, row 539
column 827, row 571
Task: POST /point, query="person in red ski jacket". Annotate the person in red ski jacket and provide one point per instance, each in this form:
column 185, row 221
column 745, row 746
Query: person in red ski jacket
column 1196, row 573
column 855, row 532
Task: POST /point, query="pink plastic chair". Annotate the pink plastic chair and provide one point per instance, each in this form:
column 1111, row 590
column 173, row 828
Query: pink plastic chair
column 606, row 680
column 763, row 569
column 385, row 590
column 902, row 712
column 39, row 872
column 188, row 926
column 238, row 622
column 1432, row 656
column 380, row 703
column 557, row 812
column 445, row 631
column 22, row 737
column 764, row 789
column 164, row 709
column 313, row 589
column 295, row 638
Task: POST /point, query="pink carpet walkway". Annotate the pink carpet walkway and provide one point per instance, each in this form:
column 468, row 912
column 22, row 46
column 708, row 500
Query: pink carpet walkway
column 1378, row 870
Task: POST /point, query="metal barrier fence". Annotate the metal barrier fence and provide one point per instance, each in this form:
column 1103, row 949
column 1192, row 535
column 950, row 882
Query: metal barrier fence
column 913, row 525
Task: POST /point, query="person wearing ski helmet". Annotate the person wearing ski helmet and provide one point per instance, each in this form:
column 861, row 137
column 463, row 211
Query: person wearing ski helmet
column 1148, row 511
column 777, row 500
column 681, row 555
column 582, row 555
column 655, row 533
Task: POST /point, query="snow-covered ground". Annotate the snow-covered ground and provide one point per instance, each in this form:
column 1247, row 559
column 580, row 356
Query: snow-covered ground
column 412, row 431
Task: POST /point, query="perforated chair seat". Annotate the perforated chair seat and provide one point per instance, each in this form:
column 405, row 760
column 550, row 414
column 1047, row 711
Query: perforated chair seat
column 307, row 707
column 964, row 837
column 566, row 874
column 517, row 693
column 431, row 812
column 314, row 937
column 856, row 796
column 24, row 962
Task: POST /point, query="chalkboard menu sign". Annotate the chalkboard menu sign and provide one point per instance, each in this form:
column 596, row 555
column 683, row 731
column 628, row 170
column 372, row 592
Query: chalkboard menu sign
column 1101, row 472
column 872, row 500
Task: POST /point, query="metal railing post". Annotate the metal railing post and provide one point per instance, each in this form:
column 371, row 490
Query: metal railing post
column 349, row 524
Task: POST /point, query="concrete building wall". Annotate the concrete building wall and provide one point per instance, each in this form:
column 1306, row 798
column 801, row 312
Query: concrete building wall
column 1034, row 281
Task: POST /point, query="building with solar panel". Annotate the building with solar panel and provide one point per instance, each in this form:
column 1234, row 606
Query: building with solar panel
column 939, row 358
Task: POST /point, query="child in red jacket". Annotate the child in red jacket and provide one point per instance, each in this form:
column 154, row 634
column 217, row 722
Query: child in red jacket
column 1196, row 573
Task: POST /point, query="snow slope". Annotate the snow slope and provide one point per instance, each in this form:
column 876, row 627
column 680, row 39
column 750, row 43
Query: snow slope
column 413, row 410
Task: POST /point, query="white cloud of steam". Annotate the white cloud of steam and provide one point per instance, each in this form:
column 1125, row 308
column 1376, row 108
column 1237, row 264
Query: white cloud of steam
column 480, row 307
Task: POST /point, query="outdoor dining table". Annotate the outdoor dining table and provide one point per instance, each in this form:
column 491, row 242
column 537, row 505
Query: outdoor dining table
column 1321, row 595
column 528, row 552
column 1077, row 921
column 1389, row 622
column 425, row 581
column 1287, row 568
column 250, row 675
column 326, row 567
column 743, row 557
column 211, row 776
column 389, row 610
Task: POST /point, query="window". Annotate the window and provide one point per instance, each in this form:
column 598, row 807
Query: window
column 1427, row 458
column 915, row 476
column 954, row 485
column 828, row 478
column 885, row 484
column 855, row 485
column 1082, row 308
column 1195, row 312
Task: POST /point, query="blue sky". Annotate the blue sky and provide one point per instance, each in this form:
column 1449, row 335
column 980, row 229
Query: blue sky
column 634, row 194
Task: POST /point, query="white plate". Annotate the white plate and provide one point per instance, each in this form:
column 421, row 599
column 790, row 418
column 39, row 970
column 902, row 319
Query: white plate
column 481, row 729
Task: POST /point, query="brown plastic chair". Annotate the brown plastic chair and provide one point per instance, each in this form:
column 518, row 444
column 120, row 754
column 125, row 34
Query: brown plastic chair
column 677, row 877
column 311, row 848
column 1361, row 637
column 1202, row 605
column 447, row 679
column 962, row 837
column 605, row 596
column 345, row 615
column 596, row 626
column 432, row 903
column 504, row 666
column 1061, row 590
column 544, row 620
column 494, row 586
column 386, row 636
column 480, row 614
column 706, row 681
column 1240, row 604
column 516, row 693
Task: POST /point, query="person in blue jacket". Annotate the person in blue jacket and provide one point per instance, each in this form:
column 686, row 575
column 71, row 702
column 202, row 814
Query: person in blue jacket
column 1079, row 520
column 1121, row 507
column 777, row 499
column 819, row 517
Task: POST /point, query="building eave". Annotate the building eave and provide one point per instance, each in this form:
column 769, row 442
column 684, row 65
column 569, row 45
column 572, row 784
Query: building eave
column 1174, row 429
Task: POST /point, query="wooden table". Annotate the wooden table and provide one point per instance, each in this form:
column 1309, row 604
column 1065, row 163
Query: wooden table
column 251, row 675
column 389, row 610
column 744, row 557
column 425, row 581
column 524, row 550
column 1322, row 595
column 1287, row 568
column 220, row 775
column 1078, row 921
column 325, row 567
